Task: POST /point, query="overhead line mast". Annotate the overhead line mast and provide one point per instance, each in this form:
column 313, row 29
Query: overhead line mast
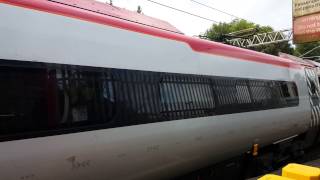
column 262, row 39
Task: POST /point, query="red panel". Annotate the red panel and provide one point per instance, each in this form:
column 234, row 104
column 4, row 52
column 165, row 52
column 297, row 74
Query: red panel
column 198, row 45
column 106, row 9
column 306, row 28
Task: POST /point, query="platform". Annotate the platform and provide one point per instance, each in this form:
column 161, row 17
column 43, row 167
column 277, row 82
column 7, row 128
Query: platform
column 314, row 163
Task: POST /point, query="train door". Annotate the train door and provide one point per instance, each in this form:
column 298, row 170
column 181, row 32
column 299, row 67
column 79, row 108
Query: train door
column 314, row 98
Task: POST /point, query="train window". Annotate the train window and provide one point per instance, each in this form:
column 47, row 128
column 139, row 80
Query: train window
column 23, row 99
column 289, row 92
column 50, row 98
column 226, row 92
column 137, row 94
column 243, row 93
column 78, row 96
column 240, row 95
column 261, row 92
column 108, row 96
column 186, row 96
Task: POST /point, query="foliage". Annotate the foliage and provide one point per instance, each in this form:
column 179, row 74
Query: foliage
column 275, row 48
column 218, row 32
column 304, row 48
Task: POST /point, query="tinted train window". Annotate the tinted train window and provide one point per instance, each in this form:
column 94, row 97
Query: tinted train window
column 226, row 91
column 78, row 94
column 183, row 96
column 243, row 92
column 136, row 94
column 23, row 105
column 39, row 99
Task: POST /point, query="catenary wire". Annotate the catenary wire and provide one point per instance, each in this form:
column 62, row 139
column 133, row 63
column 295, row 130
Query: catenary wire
column 183, row 11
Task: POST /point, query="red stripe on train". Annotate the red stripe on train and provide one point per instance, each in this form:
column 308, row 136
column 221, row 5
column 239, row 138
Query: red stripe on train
column 198, row 45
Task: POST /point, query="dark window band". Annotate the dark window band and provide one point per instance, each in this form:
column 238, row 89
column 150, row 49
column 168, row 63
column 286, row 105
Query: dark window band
column 41, row 99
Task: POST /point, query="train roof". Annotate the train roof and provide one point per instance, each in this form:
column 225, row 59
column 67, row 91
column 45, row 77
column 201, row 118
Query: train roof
column 116, row 12
column 92, row 11
column 301, row 61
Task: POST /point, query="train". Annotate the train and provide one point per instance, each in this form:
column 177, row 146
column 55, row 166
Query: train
column 93, row 91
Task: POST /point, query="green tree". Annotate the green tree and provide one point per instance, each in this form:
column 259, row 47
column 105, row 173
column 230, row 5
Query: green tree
column 301, row 49
column 275, row 48
column 218, row 32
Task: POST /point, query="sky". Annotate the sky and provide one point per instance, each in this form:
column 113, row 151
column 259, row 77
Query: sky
column 274, row 13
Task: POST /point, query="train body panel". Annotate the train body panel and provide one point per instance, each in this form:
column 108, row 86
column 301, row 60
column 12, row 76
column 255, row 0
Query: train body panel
column 44, row 37
column 147, row 151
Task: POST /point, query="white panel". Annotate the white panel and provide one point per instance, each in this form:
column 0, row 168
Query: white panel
column 151, row 151
column 39, row 36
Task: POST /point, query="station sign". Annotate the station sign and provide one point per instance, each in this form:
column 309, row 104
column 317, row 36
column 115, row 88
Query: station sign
column 305, row 7
column 306, row 21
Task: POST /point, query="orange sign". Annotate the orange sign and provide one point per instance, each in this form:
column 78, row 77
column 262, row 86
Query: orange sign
column 306, row 28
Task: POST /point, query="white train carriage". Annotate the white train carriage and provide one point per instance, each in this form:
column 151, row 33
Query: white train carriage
column 91, row 91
